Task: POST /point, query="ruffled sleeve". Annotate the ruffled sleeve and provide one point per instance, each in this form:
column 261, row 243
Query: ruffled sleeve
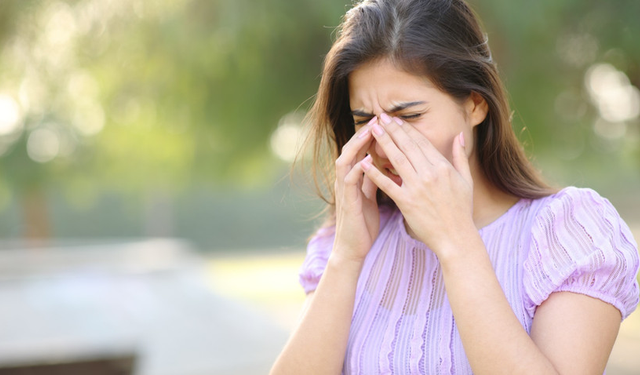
column 580, row 244
column 318, row 251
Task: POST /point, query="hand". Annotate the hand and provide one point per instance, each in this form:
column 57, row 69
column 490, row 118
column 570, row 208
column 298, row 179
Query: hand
column 436, row 197
column 357, row 216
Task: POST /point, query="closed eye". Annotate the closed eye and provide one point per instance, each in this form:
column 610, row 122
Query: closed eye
column 405, row 117
column 409, row 117
column 362, row 122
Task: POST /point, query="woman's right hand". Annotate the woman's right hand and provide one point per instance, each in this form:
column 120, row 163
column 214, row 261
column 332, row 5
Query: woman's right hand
column 357, row 215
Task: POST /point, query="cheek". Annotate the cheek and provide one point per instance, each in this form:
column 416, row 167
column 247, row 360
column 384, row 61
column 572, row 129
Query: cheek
column 442, row 140
column 442, row 128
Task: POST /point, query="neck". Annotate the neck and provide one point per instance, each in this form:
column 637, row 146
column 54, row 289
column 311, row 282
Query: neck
column 489, row 202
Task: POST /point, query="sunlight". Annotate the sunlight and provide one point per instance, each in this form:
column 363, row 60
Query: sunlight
column 286, row 139
column 10, row 115
column 612, row 93
column 43, row 145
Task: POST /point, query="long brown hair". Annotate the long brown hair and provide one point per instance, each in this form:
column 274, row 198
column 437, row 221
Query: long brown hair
column 441, row 40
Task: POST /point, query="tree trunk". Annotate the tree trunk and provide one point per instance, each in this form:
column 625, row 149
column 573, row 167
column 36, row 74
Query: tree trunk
column 36, row 217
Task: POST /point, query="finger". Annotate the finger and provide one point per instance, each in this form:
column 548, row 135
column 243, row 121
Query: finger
column 369, row 189
column 428, row 149
column 404, row 142
column 460, row 158
column 354, row 149
column 353, row 183
column 380, row 180
column 398, row 159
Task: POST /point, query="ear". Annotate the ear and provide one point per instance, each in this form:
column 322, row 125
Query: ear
column 476, row 108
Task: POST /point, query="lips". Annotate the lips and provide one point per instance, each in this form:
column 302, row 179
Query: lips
column 392, row 174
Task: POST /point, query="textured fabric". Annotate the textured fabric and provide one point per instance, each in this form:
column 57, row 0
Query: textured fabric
column 402, row 322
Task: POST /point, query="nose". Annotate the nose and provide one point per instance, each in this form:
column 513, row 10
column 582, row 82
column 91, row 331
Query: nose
column 379, row 152
column 375, row 148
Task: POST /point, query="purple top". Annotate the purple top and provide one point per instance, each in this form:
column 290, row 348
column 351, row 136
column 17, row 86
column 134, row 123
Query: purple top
column 402, row 322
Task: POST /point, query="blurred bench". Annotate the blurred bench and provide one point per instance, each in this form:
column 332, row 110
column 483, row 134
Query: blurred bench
column 103, row 366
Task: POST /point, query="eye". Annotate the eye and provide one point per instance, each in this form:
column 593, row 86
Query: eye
column 413, row 116
column 362, row 122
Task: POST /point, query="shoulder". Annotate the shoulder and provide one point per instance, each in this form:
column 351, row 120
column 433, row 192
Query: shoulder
column 571, row 197
column 580, row 243
column 582, row 215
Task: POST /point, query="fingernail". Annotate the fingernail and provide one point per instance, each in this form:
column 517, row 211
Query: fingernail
column 364, row 133
column 377, row 129
column 462, row 139
column 385, row 118
column 374, row 119
column 366, row 162
column 398, row 121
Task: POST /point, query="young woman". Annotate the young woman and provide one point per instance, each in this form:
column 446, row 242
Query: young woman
column 444, row 252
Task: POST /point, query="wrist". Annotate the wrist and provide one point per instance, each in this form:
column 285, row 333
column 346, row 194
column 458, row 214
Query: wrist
column 464, row 245
column 345, row 263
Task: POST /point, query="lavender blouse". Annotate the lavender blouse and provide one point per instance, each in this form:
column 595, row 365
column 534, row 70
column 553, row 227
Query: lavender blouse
column 402, row 322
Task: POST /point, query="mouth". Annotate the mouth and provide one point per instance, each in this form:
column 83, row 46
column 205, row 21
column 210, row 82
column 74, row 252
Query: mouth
column 393, row 175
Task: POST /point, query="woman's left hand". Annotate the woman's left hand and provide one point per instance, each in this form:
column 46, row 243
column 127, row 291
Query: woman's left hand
column 436, row 196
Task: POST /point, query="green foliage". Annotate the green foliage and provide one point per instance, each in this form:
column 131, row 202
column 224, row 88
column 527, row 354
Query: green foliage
column 142, row 94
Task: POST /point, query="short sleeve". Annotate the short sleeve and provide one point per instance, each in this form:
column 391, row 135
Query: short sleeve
column 580, row 244
column 318, row 251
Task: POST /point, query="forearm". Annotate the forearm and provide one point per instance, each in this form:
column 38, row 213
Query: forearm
column 494, row 340
column 319, row 343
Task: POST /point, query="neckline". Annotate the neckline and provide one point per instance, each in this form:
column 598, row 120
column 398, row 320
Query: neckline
column 416, row 242
column 502, row 217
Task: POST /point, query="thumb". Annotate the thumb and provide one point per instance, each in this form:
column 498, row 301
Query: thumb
column 460, row 158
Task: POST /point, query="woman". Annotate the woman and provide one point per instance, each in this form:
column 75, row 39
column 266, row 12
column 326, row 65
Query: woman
column 444, row 251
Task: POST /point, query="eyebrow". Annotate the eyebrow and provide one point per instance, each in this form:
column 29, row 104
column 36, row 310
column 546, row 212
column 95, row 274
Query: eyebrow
column 397, row 108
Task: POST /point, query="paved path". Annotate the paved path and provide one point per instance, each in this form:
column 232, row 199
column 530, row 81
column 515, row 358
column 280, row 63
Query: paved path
column 151, row 298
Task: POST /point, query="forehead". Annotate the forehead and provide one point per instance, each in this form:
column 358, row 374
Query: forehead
column 381, row 83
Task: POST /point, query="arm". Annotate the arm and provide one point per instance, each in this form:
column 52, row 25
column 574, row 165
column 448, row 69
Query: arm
column 319, row 343
column 577, row 343
column 571, row 333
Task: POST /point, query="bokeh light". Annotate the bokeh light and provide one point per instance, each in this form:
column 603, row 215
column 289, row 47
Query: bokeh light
column 288, row 136
column 612, row 93
column 43, row 145
column 10, row 115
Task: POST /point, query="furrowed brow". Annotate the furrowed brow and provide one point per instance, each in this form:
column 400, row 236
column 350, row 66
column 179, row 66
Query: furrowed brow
column 360, row 113
column 402, row 106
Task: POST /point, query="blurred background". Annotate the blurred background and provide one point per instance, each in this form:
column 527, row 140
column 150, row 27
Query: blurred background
column 148, row 221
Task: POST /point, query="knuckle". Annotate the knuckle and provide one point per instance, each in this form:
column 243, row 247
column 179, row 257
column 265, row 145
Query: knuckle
column 427, row 177
column 411, row 146
column 400, row 160
column 442, row 167
column 422, row 143
column 345, row 148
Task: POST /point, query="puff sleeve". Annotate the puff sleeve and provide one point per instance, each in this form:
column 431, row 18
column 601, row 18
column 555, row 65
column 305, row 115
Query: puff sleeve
column 580, row 244
column 318, row 251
